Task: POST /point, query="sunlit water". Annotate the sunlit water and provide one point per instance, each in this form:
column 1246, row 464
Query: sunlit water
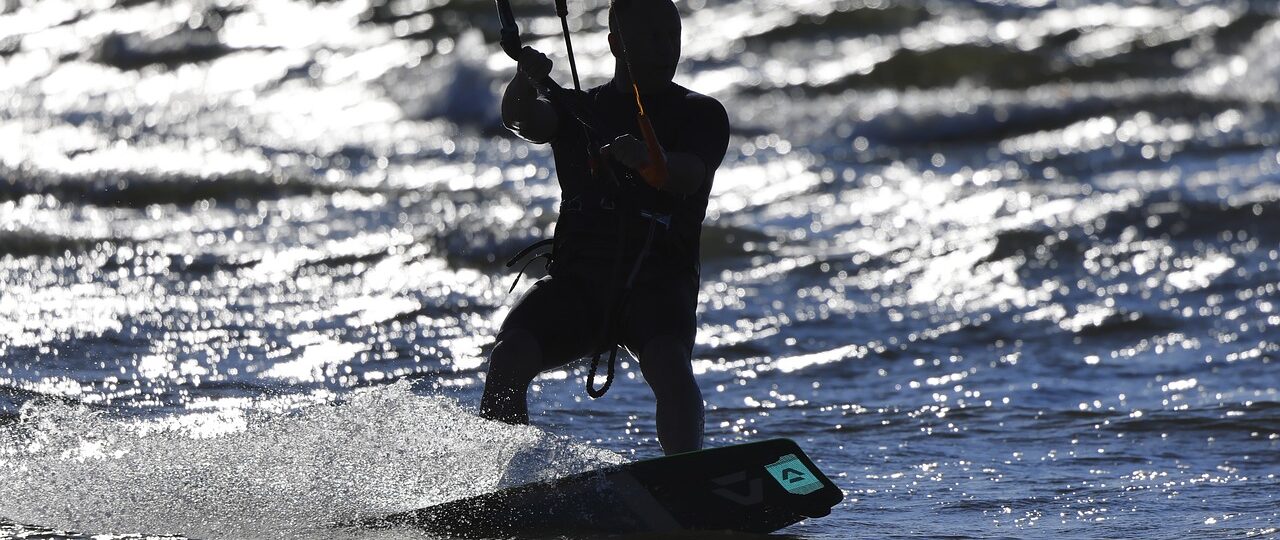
column 1003, row 268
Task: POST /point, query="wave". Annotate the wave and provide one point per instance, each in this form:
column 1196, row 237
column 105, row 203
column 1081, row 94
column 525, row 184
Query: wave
column 945, row 45
column 1259, row 416
column 250, row 473
column 1018, row 242
column 10, row 46
column 1125, row 324
column 1175, row 216
column 458, row 87
column 183, row 46
column 138, row 189
column 722, row 241
column 26, row 243
column 854, row 21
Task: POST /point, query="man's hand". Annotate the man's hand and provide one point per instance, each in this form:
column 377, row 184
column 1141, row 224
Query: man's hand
column 533, row 64
column 629, row 151
column 523, row 112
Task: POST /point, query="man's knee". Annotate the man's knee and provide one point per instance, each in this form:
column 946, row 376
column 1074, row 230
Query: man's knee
column 666, row 364
column 516, row 357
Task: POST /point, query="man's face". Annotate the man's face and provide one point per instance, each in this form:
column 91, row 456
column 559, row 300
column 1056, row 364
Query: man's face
column 651, row 32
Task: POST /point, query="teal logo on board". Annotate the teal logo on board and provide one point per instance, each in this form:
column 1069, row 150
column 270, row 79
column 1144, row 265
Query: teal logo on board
column 794, row 476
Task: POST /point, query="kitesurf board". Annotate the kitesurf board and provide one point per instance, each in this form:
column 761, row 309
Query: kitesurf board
column 756, row 487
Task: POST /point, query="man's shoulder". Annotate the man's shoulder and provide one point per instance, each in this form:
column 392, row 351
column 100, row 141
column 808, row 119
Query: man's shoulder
column 700, row 101
column 703, row 114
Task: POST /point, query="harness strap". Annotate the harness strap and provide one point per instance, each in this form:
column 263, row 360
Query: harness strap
column 524, row 252
column 528, row 249
column 526, row 266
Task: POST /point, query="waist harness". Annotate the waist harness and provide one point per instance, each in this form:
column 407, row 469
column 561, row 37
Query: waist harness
column 657, row 222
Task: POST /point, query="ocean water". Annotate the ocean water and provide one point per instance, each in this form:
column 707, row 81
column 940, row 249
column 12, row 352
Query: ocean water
column 1003, row 268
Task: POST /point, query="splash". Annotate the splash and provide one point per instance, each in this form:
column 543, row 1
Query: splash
column 249, row 472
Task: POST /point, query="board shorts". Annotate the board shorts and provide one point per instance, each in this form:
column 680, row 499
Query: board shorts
column 566, row 314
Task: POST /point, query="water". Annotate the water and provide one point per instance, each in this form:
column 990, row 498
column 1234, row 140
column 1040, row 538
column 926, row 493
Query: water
column 1003, row 268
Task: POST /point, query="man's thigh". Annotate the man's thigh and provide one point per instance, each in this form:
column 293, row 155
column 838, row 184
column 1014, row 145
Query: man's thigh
column 665, row 308
column 561, row 316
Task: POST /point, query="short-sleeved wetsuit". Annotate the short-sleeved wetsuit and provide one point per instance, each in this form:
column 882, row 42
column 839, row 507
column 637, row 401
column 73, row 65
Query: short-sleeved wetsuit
column 600, row 233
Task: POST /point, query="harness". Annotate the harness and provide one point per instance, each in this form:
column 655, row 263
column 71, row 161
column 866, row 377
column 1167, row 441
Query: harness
column 624, row 213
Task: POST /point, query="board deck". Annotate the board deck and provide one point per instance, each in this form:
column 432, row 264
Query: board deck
column 757, row 487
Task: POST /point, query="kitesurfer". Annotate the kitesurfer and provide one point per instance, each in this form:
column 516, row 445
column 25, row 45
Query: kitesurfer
column 624, row 267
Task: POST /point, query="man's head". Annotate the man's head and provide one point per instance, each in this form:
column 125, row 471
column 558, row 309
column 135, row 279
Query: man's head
column 650, row 31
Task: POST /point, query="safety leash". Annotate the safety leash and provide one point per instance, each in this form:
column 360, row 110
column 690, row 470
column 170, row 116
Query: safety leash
column 609, row 332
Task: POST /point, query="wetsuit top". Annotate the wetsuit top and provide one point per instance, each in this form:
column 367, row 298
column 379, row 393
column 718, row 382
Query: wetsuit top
column 588, row 232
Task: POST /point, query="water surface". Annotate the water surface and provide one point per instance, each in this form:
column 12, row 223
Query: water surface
column 1002, row 268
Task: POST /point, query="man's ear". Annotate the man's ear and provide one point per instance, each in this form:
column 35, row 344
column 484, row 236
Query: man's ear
column 614, row 45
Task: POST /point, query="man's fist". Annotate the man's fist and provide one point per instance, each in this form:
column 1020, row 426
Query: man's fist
column 629, row 151
column 636, row 156
column 533, row 64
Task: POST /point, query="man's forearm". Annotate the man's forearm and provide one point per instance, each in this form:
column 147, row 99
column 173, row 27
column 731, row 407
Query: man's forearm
column 517, row 102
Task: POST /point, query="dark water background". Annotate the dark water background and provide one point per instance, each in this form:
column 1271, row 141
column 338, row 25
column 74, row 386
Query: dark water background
column 1004, row 268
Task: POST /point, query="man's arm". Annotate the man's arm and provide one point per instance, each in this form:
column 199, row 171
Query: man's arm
column 526, row 115
column 687, row 172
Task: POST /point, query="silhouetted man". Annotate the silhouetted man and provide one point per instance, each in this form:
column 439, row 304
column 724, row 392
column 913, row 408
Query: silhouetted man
column 625, row 257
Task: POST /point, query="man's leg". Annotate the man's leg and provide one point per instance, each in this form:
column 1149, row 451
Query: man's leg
column 515, row 361
column 550, row 326
column 667, row 367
